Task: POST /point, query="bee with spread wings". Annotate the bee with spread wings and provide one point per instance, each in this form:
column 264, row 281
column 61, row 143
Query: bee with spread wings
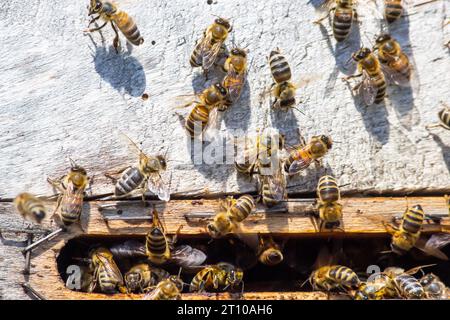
column 145, row 175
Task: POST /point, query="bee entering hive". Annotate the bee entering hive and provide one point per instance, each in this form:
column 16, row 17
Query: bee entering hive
column 290, row 275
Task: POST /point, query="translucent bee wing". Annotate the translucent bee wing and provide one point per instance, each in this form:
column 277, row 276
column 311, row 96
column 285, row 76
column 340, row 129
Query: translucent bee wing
column 433, row 245
column 186, row 257
column 130, row 143
column 128, row 250
column 111, row 268
column 151, row 295
column 209, row 131
column 368, row 89
column 299, row 165
column 211, row 55
column 234, row 82
column 277, row 185
column 324, row 7
column 157, row 186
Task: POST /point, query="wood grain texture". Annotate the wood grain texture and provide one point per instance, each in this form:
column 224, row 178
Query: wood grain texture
column 64, row 93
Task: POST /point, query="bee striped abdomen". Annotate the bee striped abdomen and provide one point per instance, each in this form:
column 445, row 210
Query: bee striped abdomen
column 196, row 59
column 409, row 286
column 444, row 117
column 156, row 246
column 199, row 116
column 267, row 196
column 328, row 190
column 342, row 24
column 36, row 208
column 203, row 279
column 71, row 206
column 131, row 179
column 128, row 27
column 380, row 83
column 279, row 67
column 243, row 207
column 393, row 10
column 413, row 219
column 344, row 276
column 106, row 281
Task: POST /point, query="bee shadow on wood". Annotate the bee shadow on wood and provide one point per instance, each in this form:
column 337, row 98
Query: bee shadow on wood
column 445, row 149
column 121, row 70
column 375, row 118
column 402, row 98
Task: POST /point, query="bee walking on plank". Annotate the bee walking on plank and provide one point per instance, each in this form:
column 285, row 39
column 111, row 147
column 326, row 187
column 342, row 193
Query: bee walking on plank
column 344, row 15
column 208, row 48
column 145, row 175
column 109, row 12
column 218, row 276
column 283, row 89
column 235, row 67
column 107, row 277
column 372, row 88
column 330, row 210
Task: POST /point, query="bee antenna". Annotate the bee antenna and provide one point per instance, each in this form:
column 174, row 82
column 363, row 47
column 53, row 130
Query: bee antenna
column 179, row 272
column 368, row 39
column 73, row 164
column 304, row 282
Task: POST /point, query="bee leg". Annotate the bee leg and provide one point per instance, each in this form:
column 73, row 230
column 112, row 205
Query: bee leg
column 93, row 20
column 319, row 162
column 95, row 29
column 111, row 174
column 175, row 237
column 116, row 42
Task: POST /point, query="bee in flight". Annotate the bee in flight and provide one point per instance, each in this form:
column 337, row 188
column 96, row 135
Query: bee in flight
column 269, row 252
column 344, row 15
column 168, row 289
column 301, row 157
column 109, row 12
column 204, row 114
column 235, row 67
column 330, row 210
column 394, row 62
column 372, row 88
column 208, row 48
column 107, row 277
column 444, row 119
column 71, row 187
column 218, row 276
column 145, row 175
column 30, row 207
column 142, row 276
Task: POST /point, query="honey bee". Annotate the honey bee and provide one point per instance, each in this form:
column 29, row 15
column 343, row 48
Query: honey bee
column 168, row 289
column 301, row 157
column 232, row 213
column 344, row 14
column 218, row 276
column 328, row 278
column 407, row 235
column 394, row 62
column 208, row 48
column 372, row 88
column 71, row 188
column 157, row 245
column 269, row 252
column 403, row 283
column 444, row 119
column 393, row 9
column 30, row 207
column 283, row 88
column 145, row 175
column 204, row 114
column 236, row 71
column 434, row 288
column 330, row 210
column 109, row 12
column 372, row 290
column 107, row 276
column 141, row 276
column 272, row 188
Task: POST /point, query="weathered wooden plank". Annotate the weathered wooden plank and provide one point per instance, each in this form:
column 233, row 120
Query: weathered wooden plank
column 64, row 93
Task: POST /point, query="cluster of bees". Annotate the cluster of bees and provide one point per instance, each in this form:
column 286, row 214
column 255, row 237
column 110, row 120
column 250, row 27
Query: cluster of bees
column 265, row 158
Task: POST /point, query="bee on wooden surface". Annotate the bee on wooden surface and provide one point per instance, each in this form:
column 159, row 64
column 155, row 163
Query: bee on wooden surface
column 434, row 288
column 393, row 10
column 218, row 276
column 372, row 289
column 394, row 62
column 330, row 210
column 168, row 289
column 328, row 278
column 157, row 244
column 236, row 72
column 269, row 252
column 107, row 277
column 403, row 283
column 30, row 207
column 283, row 88
column 444, row 119
column 71, row 187
column 109, row 12
column 204, row 114
column 208, row 48
column 272, row 187
column 372, row 88
column 145, row 175
column 302, row 156
column 407, row 235
column 231, row 214
column 141, row 276
column 344, row 15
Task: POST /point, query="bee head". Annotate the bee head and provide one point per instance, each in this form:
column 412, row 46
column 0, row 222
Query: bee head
column 428, row 279
column 221, row 89
column 162, row 161
column 132, row 280
column 327, row 140
column 235, row 276
column 223, row 22
column 176, row 280
column 361, row 54
column 383, row 38
column 95, row 7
